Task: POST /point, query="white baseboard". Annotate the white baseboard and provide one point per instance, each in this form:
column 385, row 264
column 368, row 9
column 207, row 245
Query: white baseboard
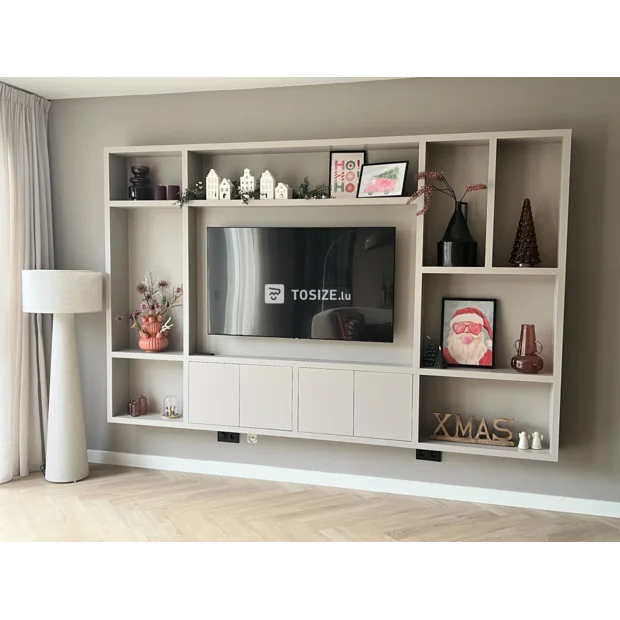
column 361, row 483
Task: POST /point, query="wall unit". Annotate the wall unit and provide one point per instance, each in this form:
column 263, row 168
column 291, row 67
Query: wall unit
column 350, row 392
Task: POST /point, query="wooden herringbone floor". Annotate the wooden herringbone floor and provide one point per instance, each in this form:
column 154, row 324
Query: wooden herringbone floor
column 128, row 504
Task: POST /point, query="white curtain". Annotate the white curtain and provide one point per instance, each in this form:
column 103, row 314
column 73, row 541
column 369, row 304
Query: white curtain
column 25, row 243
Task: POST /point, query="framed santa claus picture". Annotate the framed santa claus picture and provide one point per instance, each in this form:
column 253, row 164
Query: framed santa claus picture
column 467, row 329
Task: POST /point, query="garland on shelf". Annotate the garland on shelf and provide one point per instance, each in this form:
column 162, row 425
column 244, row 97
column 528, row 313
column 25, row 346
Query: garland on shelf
column 303, row 193
column 197, row 193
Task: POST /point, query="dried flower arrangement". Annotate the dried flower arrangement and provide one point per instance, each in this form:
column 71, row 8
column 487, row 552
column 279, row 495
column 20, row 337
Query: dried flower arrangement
column 447, row 189
column 157, row 299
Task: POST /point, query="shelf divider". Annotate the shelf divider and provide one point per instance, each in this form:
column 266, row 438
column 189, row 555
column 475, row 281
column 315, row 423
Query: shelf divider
column 488, row 248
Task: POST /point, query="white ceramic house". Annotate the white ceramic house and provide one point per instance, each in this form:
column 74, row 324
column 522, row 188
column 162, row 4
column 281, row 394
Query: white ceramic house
column 282, row 191
column 247, row 182
column 213, row 185
column 225, row 189
column 267, row 185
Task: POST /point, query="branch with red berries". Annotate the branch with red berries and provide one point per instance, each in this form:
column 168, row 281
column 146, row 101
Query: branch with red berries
column 444, row 187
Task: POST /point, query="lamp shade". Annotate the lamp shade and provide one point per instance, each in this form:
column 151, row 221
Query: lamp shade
column 56, row 291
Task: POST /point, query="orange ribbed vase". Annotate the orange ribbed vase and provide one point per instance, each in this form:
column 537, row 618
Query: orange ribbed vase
column 151, row 338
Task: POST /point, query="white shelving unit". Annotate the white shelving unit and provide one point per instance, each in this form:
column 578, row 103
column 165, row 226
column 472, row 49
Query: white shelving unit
column 156, row 234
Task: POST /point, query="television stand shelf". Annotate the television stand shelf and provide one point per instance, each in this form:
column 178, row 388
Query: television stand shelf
column 355, row 392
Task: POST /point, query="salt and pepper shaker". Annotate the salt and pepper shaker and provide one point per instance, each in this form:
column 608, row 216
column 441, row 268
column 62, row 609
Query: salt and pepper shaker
column 524, row 443
column 537, row 440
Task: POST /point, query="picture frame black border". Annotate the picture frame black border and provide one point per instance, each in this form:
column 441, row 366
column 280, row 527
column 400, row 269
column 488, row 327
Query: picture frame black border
column 329, row 174
column 383, row 163
column 443, row 311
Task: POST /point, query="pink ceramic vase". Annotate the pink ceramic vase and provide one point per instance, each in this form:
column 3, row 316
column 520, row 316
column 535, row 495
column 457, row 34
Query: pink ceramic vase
column 151, row 338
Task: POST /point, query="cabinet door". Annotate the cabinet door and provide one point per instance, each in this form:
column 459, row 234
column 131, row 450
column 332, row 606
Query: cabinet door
column 214, row 394
column 383, row 405
column 326, row 401
column 266, row 397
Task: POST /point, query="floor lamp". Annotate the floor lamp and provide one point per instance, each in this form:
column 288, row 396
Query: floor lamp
column 64, row 294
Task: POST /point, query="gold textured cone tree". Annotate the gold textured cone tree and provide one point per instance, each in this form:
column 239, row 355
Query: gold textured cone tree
column 525, row 248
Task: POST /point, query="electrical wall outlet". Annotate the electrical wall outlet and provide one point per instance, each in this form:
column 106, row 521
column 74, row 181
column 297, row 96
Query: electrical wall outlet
column 227, row 437
column 252, row 438
column 428, row 455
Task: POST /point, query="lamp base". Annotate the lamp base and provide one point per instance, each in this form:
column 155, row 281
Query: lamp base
column 66, row 459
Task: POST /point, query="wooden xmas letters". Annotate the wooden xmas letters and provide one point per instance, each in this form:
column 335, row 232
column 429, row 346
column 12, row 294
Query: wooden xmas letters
column 465, row 433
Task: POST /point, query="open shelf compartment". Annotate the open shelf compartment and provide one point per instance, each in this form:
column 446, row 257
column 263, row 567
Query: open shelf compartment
column 527, row 169
column 154, row 378
column 142, row 240
column 165, row 168
column 528, row 404
column 292, row 167
column 462, row 165
column 519, row 300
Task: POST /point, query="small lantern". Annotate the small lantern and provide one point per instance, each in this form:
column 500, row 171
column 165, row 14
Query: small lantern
column 171, row 407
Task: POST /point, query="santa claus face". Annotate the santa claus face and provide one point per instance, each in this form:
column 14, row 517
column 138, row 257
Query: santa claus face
column 466, row 342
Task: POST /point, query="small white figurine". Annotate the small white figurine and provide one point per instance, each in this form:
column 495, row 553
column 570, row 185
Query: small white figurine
column 524, row 441
column 225, row 189
column 283, row 192
column 213, row 185
column 267, row 185
column 537, row 440
column 247, row 183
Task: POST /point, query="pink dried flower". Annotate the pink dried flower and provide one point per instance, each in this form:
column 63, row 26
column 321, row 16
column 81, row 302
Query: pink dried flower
column 134, row 314
column 118, row 318
column 433, row 176
column 427, row 190
column 141, row 288
column 475, row 187
column 162, row 283
column 143, row 306
column 178, row 290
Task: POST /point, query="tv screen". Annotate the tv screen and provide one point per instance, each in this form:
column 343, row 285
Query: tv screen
column 319, row 283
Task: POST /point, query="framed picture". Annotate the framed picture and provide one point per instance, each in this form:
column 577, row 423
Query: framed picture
column 467, row 330
column 345, row 168
column 382, row 180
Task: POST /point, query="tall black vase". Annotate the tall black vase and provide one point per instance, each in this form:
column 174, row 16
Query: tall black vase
column 457, row 247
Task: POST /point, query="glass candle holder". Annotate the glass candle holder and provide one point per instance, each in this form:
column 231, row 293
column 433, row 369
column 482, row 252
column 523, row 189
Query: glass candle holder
column 142, row 405
column 133, row 408
column 171, row 407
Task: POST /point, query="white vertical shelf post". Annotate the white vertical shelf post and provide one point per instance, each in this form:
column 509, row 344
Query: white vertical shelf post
column 558, row 301
column 186, row 285
column 417, row 298
column 488, row 253
column 108, row 283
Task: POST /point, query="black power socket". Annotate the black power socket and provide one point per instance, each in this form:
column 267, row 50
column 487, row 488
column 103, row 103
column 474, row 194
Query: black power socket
column 227, row 437
column 428, row 455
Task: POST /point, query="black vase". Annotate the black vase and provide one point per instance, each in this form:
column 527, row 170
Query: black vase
column 457, row 247
column 140, row 188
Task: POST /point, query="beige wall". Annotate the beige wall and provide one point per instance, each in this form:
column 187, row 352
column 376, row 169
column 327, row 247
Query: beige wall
column 589, row 464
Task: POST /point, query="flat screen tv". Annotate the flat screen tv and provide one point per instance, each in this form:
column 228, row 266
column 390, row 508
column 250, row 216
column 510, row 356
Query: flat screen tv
column 318, row 283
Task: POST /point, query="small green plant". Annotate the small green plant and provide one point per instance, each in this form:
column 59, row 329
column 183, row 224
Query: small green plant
column 197, row 193
column 305, row 193
column 237, row 194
